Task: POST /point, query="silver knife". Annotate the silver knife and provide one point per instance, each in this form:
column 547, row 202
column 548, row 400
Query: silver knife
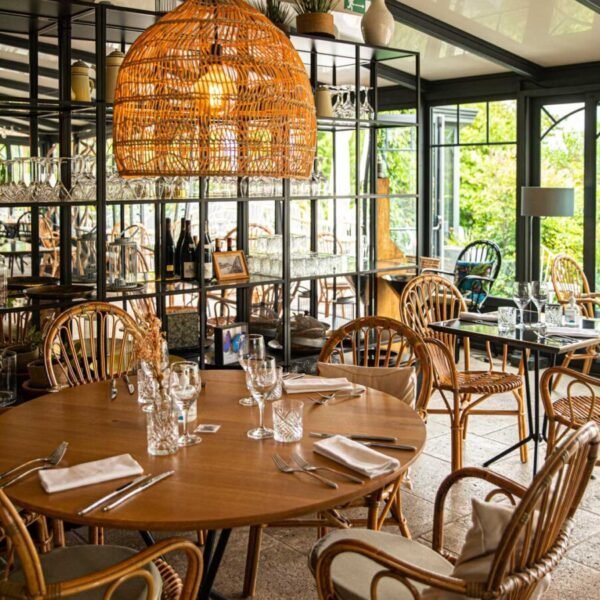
column 356, row 436
column 152, row 481
column 114, row 392
column 130, row 386
column 119, row 490
column 402, row 447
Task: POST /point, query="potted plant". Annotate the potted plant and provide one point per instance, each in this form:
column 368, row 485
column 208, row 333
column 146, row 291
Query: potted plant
column 38, row 379
column 277, row 11
column 314, row 16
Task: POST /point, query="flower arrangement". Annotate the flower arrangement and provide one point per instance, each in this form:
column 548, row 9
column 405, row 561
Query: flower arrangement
column 149, row 347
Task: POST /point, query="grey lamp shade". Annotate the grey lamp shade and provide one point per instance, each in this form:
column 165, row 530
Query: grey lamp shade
column 547, row 202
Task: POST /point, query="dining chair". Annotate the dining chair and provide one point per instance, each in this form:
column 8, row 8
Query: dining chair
column 333, row 289
column 527, row 536
column 578, row 405
column 14, row 328
column 568, row 279
column 92, row 572
column 429, row 298
column 375, row 343
column 90, row 342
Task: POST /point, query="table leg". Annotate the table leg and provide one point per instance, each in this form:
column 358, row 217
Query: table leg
column 533, row 413
column 212, row 559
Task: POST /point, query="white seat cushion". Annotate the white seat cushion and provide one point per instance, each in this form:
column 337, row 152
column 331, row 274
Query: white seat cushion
column 77, row 561
column 352, row 573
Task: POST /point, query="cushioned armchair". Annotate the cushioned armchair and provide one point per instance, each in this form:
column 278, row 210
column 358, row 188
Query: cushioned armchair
column 509, row 552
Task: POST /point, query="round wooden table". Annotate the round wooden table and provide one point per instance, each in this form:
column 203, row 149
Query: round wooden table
column 228, row 480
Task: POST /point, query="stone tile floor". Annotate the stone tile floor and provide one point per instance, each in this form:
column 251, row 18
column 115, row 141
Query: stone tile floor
column 283, row 570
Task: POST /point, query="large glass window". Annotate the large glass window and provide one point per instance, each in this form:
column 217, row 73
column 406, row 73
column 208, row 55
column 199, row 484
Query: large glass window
column 474, row 181
column 562, row 141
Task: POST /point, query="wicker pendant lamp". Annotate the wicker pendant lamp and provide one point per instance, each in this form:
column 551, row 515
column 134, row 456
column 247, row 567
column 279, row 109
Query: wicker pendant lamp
column 214, row 88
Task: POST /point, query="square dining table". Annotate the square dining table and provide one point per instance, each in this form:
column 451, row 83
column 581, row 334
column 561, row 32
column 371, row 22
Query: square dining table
column 524, row 340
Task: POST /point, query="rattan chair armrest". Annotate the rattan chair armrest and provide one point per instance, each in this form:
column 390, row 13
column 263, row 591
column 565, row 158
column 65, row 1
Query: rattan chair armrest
column 477, row 278
column 437, row 271
column 399, row 568
column 554, row 371
column 506, row 485
column 113, row 574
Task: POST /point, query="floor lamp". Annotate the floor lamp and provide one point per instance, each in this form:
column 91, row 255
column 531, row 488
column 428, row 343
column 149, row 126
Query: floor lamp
column 544, row 202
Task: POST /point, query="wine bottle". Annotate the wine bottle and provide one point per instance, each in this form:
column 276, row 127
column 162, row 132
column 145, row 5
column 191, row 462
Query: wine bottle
column 177, row 257
column 229, row 244
column 170, row 251
column 188, row 254
column 208, row 255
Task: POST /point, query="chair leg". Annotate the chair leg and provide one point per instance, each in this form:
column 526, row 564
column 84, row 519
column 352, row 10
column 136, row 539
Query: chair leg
column 58, row 530
column 44, row 536
column 566, row 362
column 465, row 426
column 96, row 536
column 399, row 516
column 457, row 449
column 521, row 421
column 252, row 557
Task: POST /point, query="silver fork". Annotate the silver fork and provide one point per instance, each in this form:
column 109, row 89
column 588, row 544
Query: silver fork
column 52, row 461
column 285, row 468
column 304, row 464
column 59, row 450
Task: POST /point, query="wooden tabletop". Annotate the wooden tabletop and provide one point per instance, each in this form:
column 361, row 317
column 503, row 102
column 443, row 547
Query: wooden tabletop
column 227, row 480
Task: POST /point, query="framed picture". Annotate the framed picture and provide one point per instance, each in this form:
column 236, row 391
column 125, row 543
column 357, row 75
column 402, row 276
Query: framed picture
column 230, row 265
column 227, row 343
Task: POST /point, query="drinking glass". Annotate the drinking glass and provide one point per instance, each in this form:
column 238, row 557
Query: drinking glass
column 185, row 386
column 554, row 314
column 261, row 378
column 252, row 346
column 8, row 378
column 521, row 297
column 539, row 295
column 507, row 319
column 277, row 391
column 287, row 420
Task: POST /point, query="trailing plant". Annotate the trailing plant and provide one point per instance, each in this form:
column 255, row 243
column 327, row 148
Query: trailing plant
column 304, row 7
column 277, row 11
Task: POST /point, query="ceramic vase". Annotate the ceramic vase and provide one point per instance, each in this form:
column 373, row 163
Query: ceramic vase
column 113, row 64
column 378, row 24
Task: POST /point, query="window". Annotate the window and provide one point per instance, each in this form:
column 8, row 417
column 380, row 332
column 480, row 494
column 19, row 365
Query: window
column 473, row 150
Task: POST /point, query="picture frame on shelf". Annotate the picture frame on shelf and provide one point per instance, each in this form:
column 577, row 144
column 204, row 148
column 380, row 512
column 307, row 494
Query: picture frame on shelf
column 230, row 266
column 227, row 343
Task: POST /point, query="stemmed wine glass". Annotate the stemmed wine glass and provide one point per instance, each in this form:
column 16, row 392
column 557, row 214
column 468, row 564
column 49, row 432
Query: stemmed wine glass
column 261, row 378
column 521, row 297
column 539, row 295
column 252, row 345
column 185, row 385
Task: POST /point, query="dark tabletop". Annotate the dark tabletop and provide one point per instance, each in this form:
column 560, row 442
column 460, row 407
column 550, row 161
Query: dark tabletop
column 520, row 338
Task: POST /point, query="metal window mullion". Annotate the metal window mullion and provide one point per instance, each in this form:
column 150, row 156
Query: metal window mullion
column 589, row 189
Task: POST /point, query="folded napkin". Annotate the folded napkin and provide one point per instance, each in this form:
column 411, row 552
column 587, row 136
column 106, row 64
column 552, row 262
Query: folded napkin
column 573, row 332
column 356, row 456
column 97, row 471
column 317, row 384
column 491, row 317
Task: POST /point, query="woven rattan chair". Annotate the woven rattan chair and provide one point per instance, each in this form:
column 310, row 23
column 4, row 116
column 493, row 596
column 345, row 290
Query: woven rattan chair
column 569, row 279
column 376, row 342
column 90, row 342
column 120, row 573
column 531, row 545
column 579, row 405
column 430, row 298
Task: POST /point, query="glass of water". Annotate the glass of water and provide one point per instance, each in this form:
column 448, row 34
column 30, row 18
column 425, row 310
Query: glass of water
column 287, row 420
column 507, row 319
column 278, row 389
column 261, row 377
column 252, row 345
column 185, row 386
column 8, row 378
column 554, row 315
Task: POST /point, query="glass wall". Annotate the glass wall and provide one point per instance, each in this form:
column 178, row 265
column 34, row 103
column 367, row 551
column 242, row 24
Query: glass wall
column 473, row 153
column 562, row 154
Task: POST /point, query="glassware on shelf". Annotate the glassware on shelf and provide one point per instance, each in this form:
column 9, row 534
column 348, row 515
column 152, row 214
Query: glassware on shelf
column 366, row 111
column 85, row 263
column 122, row 256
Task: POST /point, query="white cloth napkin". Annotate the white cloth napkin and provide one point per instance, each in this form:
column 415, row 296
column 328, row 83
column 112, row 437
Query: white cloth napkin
column 97, row 471
column 317, row 384
column 356, row 456
column 491, row 317
column 573, row 332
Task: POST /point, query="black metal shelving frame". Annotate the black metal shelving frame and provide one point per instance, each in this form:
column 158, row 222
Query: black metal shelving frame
column 104, row 24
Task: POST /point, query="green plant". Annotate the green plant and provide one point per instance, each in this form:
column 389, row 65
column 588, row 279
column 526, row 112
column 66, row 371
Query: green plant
column 277, row 11
column 34, row 338
column 303, row 7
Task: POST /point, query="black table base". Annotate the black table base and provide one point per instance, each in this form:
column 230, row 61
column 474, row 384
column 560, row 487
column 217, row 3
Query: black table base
column 212, row 560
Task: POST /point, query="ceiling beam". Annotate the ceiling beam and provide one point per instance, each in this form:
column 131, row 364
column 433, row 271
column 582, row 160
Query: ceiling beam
column 23, row 86
column 457, row 37
column 23, row 67
column 401, row 77
column 45, row 48
column 591, row 4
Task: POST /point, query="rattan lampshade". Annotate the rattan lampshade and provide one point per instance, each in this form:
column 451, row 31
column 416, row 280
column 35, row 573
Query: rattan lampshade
column 214, row 88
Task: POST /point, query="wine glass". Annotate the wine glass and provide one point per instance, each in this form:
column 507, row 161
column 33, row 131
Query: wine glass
column 252, row 345
column 539, row 295
column 521, row 297
column 185, row 384
column 261, row 378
